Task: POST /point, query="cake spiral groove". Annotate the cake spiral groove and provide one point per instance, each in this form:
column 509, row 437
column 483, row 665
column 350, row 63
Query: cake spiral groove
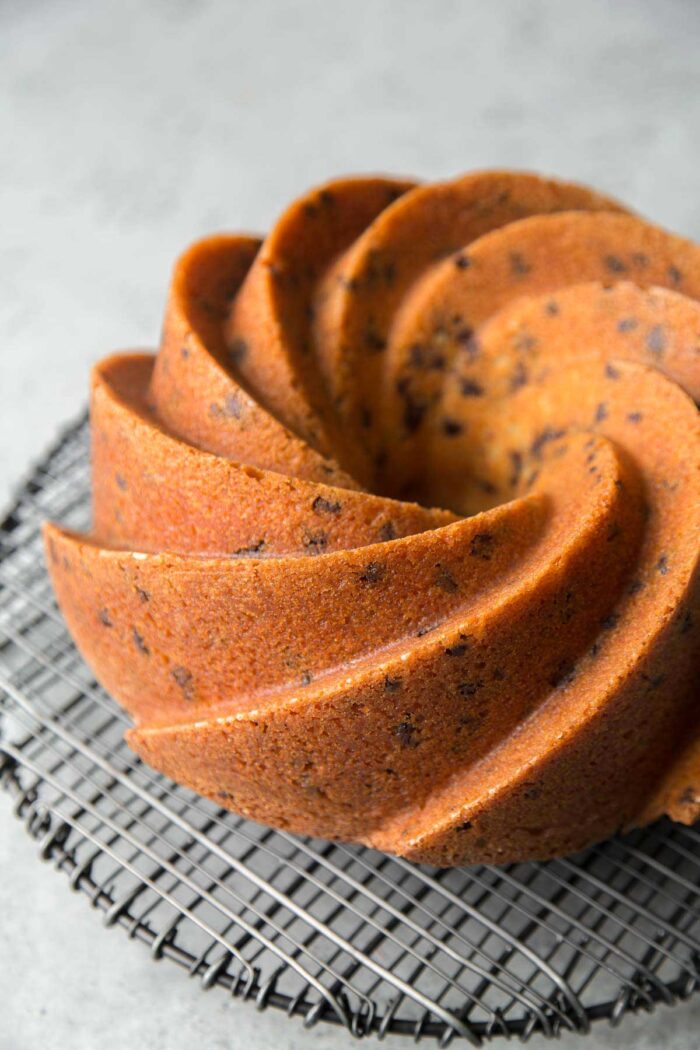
column 396, row 538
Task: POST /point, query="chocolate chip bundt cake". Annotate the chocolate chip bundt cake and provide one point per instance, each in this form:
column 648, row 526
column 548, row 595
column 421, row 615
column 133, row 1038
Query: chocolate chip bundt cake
column 396, row 538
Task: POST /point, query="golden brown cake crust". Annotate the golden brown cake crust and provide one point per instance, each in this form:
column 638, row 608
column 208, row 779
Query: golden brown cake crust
column 397, row 538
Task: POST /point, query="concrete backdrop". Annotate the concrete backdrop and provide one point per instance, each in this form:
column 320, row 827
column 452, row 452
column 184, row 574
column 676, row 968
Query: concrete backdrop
column 129, row 128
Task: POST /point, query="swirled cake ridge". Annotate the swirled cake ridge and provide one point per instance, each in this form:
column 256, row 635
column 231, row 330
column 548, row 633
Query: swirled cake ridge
column 396, row 538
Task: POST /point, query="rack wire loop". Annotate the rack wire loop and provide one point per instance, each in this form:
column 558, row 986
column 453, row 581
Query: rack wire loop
column 322, row 930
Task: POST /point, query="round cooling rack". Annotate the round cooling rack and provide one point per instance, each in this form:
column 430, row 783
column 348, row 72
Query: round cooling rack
column 322, row 930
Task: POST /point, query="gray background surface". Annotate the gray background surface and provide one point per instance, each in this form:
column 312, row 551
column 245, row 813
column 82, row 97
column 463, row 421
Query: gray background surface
column 129, row 128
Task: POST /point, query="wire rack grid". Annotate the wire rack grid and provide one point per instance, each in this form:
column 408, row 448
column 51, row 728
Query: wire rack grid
column 322, row 930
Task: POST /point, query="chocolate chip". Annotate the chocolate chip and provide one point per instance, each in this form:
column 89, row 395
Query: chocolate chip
column 545, row 436
column 350, row 284
column 468, row 342
column 569, row 611
column 451, row 427
column 516, row 467
column 253, row 548
column 237, row 351
column 326, row 506
column 627, row 324
column 470, row 387
column 456, row 650
column 143, row 594
column 686, row 622
column 373, row 573
column 392, row 685
column 121, row 482
column 634, row 417
column 315, row 541
column 305, row 677
column 481, row 545
column 406, row 731
column 518, row 377
column 139, row 642
column 470, row 688
column 656, row 340
column 601, row 412
column 445, row 580
column 105, row 618
column 414, row 409
column 381, row 459
column 610, row 621
column 519, row 265
column 387, row 532
column 654, row 680
column 552, row 308
column 427, row 358
column 184, row 352
column 634, row 587
column 183, row 678
column 612, row 372
column 413, row 414
column 374, row 342
column 662, row 565
column 232, row 406
column 674, row 275
column 462, row 261
column 564, row 672
column 614, row 532
column 614, row 264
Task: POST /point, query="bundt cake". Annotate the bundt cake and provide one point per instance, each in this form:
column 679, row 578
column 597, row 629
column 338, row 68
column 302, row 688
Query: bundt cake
column 396, row 538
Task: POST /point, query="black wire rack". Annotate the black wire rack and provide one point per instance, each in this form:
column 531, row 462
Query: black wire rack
column 321, row 930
